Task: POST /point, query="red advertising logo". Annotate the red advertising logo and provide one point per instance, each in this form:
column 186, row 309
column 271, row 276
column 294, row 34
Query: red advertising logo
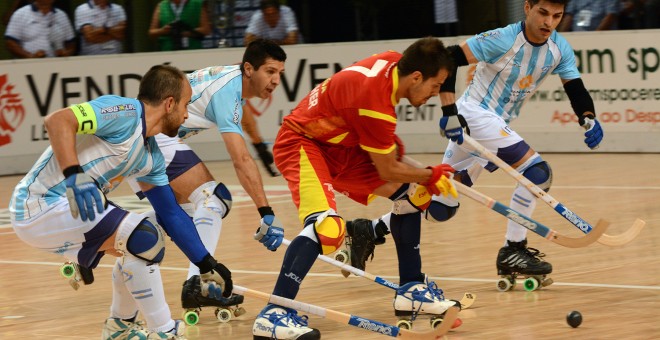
column 12, row 112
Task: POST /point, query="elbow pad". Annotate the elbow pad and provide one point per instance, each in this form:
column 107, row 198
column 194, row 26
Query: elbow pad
column 459, row 60
column 581, row 101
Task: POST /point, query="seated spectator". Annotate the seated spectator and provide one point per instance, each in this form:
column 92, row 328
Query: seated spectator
column 102, row 26
column 40, row 30
column 590, row 15
column 275, row 22
column 180, row 24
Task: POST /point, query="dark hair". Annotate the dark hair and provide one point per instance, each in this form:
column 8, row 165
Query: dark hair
column 428, row 56
column 263, row 4
column 160, row 82
column 258, row 50
column 533, row 3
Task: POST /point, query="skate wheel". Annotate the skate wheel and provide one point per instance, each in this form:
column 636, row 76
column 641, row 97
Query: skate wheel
column 404, row 324
column 342, row 256
column 436, row 322
column 68, row 270
column 223, row 315
column 531, row 283
column 191, row 317
column 504, row 284
column 239, row 311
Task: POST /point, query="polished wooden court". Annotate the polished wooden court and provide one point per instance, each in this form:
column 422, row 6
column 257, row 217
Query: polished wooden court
column 617, row 290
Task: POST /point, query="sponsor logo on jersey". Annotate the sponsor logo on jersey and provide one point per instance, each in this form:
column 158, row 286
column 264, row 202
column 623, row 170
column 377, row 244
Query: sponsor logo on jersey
column 487, row 35
column 118, row 108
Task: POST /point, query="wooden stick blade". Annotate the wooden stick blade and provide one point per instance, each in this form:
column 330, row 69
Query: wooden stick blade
column 435, row 333
column 585, row 240
column 625, row 237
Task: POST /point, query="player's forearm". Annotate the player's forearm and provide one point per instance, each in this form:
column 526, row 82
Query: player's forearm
column 250, row 179
column 62, row 135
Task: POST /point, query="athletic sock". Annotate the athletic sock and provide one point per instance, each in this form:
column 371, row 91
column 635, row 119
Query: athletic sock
column 523, row 202
column 207, row 218
column 406, row 232
column 298, row 260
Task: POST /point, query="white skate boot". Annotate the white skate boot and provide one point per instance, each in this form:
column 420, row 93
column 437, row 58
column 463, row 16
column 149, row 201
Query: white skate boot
column 275, row 322
column 120, row 329
column 422, row 298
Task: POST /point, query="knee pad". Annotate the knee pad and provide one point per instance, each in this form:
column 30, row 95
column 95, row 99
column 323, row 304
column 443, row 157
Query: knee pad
column 440, row 212
column 540, row 174
column 145, row 241
column 330, row 230
column 224, row 195
column 417, row 199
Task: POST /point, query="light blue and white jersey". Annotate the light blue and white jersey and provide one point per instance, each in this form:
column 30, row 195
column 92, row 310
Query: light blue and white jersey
column 216, row 100
column 511, row 68
column 114, row 149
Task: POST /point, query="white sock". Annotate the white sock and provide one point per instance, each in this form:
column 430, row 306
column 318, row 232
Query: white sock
column 523, row 202
column 123, row 306
column 207, row 218
column 146, row 287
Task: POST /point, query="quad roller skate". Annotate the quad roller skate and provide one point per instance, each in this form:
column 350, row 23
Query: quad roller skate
column 516, row 261
column 415, row 299
column 192, row 302
column 76, row 273
column 361, row 243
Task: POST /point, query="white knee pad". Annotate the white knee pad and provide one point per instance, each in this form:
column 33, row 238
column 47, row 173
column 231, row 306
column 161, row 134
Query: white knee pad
column 212, row 196
column 417, row 199
column 140, row 237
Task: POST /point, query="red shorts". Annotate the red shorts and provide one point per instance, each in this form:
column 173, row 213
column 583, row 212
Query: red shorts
column 313, row 170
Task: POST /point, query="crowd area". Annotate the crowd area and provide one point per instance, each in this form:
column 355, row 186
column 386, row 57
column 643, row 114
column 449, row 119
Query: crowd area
column 60, row 28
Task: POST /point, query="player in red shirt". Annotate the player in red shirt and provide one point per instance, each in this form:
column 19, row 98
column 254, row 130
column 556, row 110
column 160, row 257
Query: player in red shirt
column 341, row 137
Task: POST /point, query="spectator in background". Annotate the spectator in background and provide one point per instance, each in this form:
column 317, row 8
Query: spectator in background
column 275, row 22
column 446, row 18
column 180, row 24
column 61, row 4
column 590, row 15
column 40, row 30
column 102, row 26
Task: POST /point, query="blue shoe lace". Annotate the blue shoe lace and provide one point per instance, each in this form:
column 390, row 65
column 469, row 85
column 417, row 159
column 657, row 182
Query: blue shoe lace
column 420, row 296
column 291, row 315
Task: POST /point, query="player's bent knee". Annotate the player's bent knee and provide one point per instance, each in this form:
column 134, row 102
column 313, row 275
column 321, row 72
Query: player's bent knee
column 440, row 212
column 330, row 230
column 147, row 242
column 224, row 195
column 540, row 174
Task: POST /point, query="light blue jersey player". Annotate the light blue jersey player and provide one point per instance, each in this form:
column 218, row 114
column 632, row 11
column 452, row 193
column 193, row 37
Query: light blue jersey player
column 218, row 95
column 60, row 205
column 512, row 62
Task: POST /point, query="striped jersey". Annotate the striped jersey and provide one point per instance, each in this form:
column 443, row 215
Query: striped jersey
column 355, row 106
column 113, row 148
column 216, row 101
column 511, row 68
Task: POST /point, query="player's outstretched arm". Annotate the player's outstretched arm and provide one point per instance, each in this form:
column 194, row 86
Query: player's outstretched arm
column 178, row 225
column 452, row 123
column 583, row 105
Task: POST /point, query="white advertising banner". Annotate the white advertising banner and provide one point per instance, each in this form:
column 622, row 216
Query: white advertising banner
column 619, row 68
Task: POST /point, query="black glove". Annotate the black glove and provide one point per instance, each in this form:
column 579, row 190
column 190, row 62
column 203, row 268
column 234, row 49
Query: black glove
column 212, row 271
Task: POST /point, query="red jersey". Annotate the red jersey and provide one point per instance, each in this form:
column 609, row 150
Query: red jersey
column 353, row 107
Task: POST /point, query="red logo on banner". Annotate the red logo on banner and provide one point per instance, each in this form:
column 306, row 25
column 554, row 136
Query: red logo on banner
column 12, row 112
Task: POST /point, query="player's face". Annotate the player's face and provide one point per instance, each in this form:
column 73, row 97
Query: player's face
column 423, row 90
column 541, row 20
column 265, row 80
column 174, row 119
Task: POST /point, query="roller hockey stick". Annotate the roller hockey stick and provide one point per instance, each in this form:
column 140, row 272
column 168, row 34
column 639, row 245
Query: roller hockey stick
column 584, row 226
column 466, row 301
column 354, row 320
column 532, row 225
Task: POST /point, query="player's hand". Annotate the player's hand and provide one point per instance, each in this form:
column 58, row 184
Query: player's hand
column 594, row 133
column 452, row 124
column 270, row 232
column 440, row 181
column 217, row 282
column 83, row 193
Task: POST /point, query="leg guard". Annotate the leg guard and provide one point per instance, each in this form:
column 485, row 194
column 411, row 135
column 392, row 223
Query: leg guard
column 140, row 237
column 417, row 199
column 330, row 230
column 440, row 212
column 539, row 173
column 224, row 195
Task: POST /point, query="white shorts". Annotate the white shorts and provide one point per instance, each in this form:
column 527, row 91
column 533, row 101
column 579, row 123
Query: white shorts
column 487, row 128
column 57, row 232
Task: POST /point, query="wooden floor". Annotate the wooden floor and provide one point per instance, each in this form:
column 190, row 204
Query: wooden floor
column 617, row 290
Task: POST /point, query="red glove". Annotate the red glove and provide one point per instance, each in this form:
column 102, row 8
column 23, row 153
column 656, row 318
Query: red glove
column 439, row 183
column 400, row 149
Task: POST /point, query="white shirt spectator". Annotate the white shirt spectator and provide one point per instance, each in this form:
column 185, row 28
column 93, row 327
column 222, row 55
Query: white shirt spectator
column 286, row 24
column 35, row 31
column 91, row 14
